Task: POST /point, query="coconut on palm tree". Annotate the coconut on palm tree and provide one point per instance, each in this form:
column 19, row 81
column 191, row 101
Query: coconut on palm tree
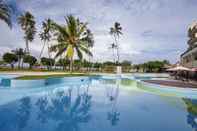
column 27, row 23
column 115, row 31
column 72, row 38
column 5, row 13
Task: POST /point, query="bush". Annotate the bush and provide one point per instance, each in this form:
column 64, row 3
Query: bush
column 10, row 58
column 31, row 60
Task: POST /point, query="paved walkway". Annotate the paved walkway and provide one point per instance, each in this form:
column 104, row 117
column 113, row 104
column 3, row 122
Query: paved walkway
column 173, row 83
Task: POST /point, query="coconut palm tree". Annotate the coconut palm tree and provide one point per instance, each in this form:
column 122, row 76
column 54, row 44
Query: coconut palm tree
column 90, row 39
column 27, row 23
column 113, row 47
column 72, row 38
column 45, row 35
column 116, row 33
column 5, row 13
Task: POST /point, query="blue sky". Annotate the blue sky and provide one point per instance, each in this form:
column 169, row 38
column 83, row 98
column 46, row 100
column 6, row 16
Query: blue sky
column 152, row 29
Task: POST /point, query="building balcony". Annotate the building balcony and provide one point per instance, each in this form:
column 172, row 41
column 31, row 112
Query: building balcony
column 192, row 64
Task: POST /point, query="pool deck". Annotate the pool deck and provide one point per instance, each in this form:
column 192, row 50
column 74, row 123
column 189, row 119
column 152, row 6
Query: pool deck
column 173, row 83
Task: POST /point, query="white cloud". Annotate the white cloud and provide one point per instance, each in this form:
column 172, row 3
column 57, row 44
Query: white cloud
column 152, row 29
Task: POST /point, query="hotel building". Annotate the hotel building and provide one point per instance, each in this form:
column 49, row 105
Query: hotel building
column 189, row 57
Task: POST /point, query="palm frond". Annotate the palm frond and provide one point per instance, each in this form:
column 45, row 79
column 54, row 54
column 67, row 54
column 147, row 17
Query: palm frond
column 79, row 53
column 5, row 13
column 85, row 50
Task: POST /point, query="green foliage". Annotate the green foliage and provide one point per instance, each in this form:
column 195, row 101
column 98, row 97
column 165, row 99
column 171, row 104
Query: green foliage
column 31, row 60
column 46, row 35
column 10, row 58
column 27, row 23
column 5, row 13
column 74, row 37
column 47, row 62
column 109, row 63
column 151, row 66
column 20, row 53
column 191, row 106
column 126, row 63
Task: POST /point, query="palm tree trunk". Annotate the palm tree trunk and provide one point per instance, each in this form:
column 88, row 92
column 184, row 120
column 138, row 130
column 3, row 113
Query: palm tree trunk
column 71, row 64
column 42, row 50
column 19, row 62
column 27, row 47
column 49, row 54
column 118, row 56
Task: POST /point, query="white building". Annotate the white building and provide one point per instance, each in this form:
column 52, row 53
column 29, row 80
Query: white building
column 189, row 57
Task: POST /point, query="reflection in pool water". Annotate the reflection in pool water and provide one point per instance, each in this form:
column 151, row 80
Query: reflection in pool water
column 192, row 112
column 99, row 104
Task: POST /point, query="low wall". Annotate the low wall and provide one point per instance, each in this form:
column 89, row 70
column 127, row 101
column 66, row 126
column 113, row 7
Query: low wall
column 43, row 82
column 27, row 83
column 167, row 90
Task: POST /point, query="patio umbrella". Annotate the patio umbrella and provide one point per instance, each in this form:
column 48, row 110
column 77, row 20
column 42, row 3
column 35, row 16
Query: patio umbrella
column 194, row 69
column 179, row 68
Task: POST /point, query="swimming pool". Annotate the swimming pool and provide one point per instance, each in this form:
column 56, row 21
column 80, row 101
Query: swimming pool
column 94, row 104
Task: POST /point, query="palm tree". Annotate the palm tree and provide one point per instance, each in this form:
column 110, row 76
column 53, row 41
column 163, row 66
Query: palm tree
column 72, row 38
column 116, row 32
column 45, row 36
column 90, row 39
column 27, row 23
column 5, row 13
column 113, row 47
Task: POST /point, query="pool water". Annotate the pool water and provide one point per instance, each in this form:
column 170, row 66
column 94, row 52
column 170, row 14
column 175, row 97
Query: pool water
column 94, row 105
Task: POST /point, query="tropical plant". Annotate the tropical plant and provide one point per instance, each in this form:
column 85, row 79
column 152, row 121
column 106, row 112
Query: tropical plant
column 72, row 38
column 5, row 13
column 27, row 23
column 10, row 58
column 116, row 32
column 47, row 62
column 20, row 53
column 46, row 35
column 63, row 62
column 31, row 60
column 113, row 47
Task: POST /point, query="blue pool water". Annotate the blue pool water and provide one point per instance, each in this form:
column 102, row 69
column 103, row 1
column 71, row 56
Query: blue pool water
column 94, row 104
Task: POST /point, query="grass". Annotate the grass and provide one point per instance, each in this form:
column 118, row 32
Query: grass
column 36, row 77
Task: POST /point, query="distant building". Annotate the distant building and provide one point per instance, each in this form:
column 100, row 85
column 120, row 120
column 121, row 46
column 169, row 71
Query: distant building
column 189, row 57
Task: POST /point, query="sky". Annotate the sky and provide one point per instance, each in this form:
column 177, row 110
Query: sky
column 152, row 29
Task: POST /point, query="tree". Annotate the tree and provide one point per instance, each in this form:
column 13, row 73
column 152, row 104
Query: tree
column 116, row 32
column 72, row 38
column 31, row 60
column 10, row 58
column 126, row 63
column 27, row 23
column 47, row 62
column 63, row 62
column 5, row 13
column 113, row 47
column 46, row 35
column 20, row 53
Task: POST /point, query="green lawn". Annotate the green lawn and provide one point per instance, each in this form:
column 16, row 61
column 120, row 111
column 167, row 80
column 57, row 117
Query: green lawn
column 35, row 77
